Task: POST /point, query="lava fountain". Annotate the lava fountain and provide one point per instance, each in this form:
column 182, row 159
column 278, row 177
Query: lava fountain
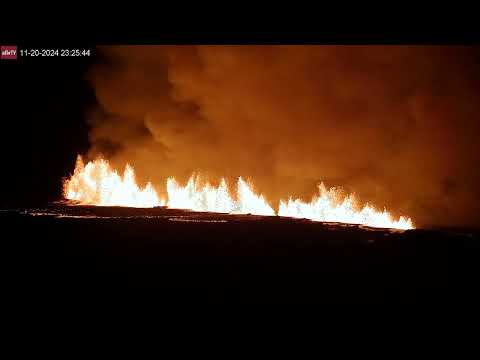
column 98, row 184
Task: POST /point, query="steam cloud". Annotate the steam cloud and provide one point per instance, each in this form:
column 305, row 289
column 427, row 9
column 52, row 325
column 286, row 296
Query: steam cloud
column 396, row 125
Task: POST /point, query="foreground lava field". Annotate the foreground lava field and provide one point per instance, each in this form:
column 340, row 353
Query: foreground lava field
column 181, row 257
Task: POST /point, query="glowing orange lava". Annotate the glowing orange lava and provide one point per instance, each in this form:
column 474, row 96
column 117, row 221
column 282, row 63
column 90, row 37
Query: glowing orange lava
column 98, row 184
column 327, row 207
column 216, row 199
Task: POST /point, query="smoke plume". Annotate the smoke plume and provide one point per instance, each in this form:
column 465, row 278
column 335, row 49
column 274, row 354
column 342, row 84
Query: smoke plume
column 396, row 125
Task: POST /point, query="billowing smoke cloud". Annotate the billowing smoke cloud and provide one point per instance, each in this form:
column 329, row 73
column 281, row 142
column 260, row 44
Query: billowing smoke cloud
column 396, row 125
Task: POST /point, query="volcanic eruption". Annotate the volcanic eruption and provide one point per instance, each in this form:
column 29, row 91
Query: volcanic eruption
column 274, row 130
column 97, row 184
column 244, row 174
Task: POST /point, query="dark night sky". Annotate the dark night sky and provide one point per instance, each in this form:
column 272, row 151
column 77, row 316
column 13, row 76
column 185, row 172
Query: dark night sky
column 43, row 126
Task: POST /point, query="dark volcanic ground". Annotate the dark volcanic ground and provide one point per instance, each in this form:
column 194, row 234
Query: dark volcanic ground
column 180, row 257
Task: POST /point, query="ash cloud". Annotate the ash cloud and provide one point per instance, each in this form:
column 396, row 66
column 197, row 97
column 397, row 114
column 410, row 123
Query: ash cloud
column 396, row 125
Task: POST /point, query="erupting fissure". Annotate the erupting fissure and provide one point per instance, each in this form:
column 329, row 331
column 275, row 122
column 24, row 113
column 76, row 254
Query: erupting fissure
column 96, row 183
